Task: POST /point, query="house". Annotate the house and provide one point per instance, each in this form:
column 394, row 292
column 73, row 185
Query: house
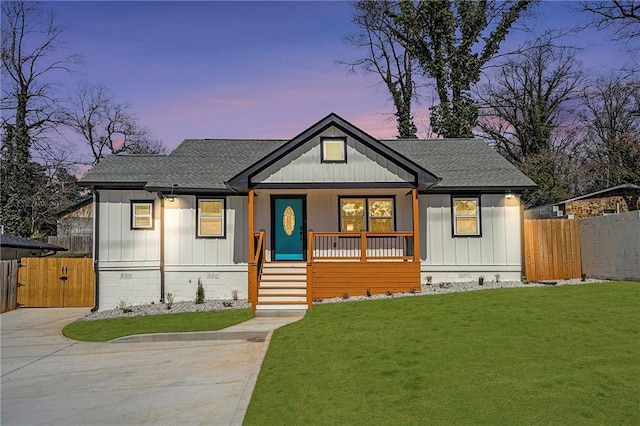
column 75, row 226
column 618, row 199
column 14, row 247
column 332, row 211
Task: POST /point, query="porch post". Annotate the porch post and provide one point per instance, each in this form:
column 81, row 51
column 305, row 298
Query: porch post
column 252, row 248
column 416, row 225
column 252, row 267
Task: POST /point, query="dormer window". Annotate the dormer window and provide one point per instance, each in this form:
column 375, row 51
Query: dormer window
column 334, row 150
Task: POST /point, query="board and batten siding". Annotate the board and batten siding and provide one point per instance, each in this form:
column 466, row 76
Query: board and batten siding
column 497, row 251
column 124, row 245
column 129, row 260
column 304, row 165
column 219, row 263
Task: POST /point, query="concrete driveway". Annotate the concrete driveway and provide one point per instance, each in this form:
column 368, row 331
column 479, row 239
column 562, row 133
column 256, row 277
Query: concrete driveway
column 48, row 379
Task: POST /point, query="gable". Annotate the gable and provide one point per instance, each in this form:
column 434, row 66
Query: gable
column 305, row 164
column 372, row 160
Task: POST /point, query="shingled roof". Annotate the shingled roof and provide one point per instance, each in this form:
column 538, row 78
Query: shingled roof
column 205, row 165
column 13, row 241
column 463, row 164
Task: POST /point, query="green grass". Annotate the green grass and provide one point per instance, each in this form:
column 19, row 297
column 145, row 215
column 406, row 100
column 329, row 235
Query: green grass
column 103, row 330
column 551, row 355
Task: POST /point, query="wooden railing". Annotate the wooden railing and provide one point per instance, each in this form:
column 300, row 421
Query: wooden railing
column 256, row 260
column 362, row 246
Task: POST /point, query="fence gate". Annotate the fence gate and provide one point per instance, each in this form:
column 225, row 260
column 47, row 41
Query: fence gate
column 552, row 249
column 55, row 282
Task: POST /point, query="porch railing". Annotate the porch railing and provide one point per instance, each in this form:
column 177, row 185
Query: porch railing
column 256, row 261
column 360, row 246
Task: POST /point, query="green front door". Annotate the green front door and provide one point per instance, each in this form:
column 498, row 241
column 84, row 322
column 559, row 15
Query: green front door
column 288, row 223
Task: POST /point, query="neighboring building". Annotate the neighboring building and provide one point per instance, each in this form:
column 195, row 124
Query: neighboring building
column 14, row 247
column 75, row 227
column 618, row 199
column 284, row 222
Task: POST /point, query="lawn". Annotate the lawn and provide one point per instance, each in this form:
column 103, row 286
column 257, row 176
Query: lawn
column 103, row 330
column 551, row 355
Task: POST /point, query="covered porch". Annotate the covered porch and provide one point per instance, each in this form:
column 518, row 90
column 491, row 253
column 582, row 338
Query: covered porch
column 338, row 258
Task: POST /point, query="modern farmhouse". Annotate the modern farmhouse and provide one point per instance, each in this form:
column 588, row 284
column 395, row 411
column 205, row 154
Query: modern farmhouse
column 286, row 222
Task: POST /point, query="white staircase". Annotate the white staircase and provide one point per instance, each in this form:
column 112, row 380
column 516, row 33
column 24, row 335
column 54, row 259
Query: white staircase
column 282, row 286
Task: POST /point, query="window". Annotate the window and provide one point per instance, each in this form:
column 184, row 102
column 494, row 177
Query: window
column 210, row 217
column 466, row 216
column 142, row 214
column 362, row 214
column 334, row 150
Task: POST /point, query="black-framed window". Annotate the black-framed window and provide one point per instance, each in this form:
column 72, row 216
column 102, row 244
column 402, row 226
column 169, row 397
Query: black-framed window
column 142, row 214
column 333, row 150
column 375, row 214
column 465, row 215
column 211, row 217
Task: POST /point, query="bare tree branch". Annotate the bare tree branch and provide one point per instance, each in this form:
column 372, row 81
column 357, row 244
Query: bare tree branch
column 106, row 126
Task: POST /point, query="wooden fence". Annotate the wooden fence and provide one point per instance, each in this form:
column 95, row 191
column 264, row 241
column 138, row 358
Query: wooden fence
column 56, row 282
column 8, row 285
column 75, row 243
column 552, row 249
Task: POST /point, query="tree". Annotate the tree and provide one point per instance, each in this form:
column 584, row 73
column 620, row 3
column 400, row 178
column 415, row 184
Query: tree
column 387, row 57
column 620, row 15
column 452, row 41
column 106, row 126
column 30, row 54
column 530, row 99
column 527, row 111
column 612, row 119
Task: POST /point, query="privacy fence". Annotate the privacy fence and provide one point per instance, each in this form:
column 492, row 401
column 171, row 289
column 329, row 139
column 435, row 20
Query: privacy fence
column 56, row 282
column 74, row 243
column 552, row 249
column 9, row 285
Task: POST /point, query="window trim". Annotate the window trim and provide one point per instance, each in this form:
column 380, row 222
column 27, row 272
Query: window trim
column 132, row 204
column 224, row 217
column 333, row 139
column 367, row 218
column 478, row 216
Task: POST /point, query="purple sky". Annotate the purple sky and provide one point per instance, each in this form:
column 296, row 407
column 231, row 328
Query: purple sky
column 247, row 69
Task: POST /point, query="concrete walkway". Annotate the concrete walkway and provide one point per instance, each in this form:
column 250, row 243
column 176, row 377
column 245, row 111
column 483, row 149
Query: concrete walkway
column 48, row 379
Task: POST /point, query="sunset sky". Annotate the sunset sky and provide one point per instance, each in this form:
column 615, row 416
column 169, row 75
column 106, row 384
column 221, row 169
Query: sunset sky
column 250, row 69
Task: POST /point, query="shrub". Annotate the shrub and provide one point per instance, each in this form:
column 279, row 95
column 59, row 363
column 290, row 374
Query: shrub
column 481, row 280
column 169, row 301
column 345, row 295
column 368, row 292
column 234, row 294
column 200, row 293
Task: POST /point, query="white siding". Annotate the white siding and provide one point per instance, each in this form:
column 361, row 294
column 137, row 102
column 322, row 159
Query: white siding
column 183, row 248
column 304, row 165
column 118, row 242
column 130, row 259
column 497, row 251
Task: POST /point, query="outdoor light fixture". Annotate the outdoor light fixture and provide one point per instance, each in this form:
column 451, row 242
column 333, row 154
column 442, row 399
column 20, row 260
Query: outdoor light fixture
column 172, row 197
column 509, row 195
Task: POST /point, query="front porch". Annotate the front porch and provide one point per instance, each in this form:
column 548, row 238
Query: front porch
column 334, row 264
